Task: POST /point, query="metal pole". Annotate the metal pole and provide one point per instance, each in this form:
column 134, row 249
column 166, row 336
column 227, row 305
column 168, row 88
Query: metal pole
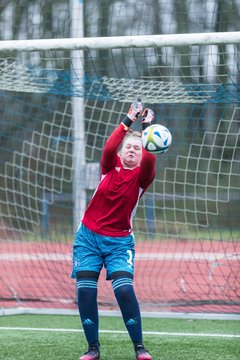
column 79, row 162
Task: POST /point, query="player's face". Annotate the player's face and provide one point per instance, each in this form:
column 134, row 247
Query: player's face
column 131, row 153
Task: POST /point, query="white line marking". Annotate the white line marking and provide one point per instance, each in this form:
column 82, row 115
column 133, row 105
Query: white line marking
column 231, row 336
column 139, row 256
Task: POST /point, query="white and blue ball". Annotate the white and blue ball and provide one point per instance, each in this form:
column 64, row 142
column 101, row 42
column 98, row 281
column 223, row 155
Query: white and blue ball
column 156, row 139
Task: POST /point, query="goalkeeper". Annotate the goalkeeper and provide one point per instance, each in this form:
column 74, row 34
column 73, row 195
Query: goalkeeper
column 105, row 236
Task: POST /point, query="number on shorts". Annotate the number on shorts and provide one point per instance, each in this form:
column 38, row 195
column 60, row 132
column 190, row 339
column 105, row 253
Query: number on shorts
column 130, row 259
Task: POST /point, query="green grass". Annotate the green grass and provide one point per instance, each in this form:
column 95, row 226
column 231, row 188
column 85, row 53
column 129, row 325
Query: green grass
column 68, row 345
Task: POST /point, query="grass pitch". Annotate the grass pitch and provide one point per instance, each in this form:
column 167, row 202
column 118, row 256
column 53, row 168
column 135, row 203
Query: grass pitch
column 53, row 337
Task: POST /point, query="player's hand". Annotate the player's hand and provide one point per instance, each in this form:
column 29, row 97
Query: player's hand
column 135, row 110
column 147, row 116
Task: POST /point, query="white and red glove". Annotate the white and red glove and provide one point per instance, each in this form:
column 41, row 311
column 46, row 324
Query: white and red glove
column 147, row 118
column 135, row 110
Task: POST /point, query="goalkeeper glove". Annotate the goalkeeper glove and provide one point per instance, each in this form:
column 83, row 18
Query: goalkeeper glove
column 147, row 118
column 135, row 110
column 133, row 113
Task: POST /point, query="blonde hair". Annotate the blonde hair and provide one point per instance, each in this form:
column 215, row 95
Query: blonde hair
column 132, row 134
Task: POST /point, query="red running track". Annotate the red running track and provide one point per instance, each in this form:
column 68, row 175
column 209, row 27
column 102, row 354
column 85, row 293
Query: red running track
column 169, row 276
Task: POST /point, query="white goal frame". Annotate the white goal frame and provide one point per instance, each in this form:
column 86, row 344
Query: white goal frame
column 117, row 42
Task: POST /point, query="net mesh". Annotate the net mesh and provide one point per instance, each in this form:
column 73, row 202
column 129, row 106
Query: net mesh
column 186, row 226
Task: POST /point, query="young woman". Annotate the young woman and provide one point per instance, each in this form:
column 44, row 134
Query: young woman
column 105, row 236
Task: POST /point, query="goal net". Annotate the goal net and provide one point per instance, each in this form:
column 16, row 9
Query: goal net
column 60, row 100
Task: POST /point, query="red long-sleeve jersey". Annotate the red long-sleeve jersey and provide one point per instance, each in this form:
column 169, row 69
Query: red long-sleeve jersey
column 114, row 203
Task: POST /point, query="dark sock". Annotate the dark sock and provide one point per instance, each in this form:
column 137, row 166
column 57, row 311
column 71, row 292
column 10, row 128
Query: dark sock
column 127, row 301
column 88, row 309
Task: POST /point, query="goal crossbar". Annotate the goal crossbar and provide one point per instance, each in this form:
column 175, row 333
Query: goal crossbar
column 117, row 42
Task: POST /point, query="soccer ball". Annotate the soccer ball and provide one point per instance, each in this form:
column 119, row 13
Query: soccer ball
column 156, row 139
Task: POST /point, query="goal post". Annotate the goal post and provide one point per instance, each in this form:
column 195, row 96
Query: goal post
column 57, row 95
column 79, row 187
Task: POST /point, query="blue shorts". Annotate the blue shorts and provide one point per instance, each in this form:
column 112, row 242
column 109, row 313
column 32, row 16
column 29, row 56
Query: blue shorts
column 92, row 251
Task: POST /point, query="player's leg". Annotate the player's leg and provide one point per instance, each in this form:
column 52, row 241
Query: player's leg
column 87, row 264
column 120, row 269
column 122, row 284
column 124, row 292
column 88, row 310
